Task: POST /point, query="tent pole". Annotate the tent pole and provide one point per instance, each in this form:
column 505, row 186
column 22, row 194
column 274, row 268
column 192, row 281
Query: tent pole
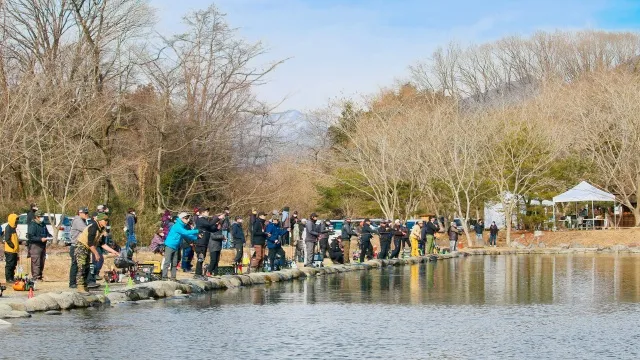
column 593, row 216
column 554, row 217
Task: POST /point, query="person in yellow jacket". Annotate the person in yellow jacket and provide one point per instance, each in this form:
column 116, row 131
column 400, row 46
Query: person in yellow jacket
column 415, row 237
column 11, row 248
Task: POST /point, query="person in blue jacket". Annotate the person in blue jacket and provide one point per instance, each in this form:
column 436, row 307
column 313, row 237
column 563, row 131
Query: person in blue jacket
column 274, row 242
column 172, row 243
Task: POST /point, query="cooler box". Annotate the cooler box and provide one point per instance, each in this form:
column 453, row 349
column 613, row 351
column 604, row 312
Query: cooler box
column 151, row 266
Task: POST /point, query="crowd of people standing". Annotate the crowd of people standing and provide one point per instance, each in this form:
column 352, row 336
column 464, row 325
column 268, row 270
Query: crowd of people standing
column 200, row 235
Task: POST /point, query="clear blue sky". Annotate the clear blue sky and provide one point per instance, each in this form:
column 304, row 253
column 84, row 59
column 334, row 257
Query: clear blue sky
column 349, row 47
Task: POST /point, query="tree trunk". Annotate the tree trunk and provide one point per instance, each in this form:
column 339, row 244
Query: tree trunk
column 159, row 203
column 636, row 215
column 507, row 222
column 142, row 183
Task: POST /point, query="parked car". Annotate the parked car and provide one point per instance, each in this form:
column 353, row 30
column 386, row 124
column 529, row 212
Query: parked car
column 62, row 222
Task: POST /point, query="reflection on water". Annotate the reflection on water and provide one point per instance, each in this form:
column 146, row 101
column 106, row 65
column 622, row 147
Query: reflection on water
column 544, row 306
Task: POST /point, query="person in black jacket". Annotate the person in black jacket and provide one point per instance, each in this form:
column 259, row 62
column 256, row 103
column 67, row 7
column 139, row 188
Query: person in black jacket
column 386, row 233
column 238, row 239
column 345, row 237
column 335, row 252
column 215, row 243
column 323, row 238
column 431, row 229
column 37, row 236
column 398, row 234
column 365, row 240
column 258, row 241
column 206, row 226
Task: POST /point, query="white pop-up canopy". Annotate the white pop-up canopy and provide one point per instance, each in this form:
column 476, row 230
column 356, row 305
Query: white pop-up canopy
column 583, row 192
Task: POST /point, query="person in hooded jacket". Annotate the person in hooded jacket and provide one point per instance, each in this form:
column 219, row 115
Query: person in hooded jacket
column 258, row 240
column 11, row 248
column 274, row 242
column 178, row 231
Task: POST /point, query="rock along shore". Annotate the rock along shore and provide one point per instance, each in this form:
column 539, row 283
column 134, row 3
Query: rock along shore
column 54, row 302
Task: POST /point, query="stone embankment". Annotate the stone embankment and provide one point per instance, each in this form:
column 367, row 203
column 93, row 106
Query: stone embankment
column 53, row 302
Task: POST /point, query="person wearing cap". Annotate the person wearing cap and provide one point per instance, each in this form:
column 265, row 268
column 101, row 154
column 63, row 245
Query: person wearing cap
column 365, row 241
column 386, row 233
column 87, row 243
column 178, row 231
column 101, row 246
column 345, row 237
column 311, row 238
column 258, row 241
column 238, row 239
column 415, row 238
column 37, row 237
column 78, row 224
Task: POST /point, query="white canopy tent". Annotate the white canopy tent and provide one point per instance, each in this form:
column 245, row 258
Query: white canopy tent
column 583, row 192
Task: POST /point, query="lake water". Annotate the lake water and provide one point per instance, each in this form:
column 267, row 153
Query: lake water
column 480, row 307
